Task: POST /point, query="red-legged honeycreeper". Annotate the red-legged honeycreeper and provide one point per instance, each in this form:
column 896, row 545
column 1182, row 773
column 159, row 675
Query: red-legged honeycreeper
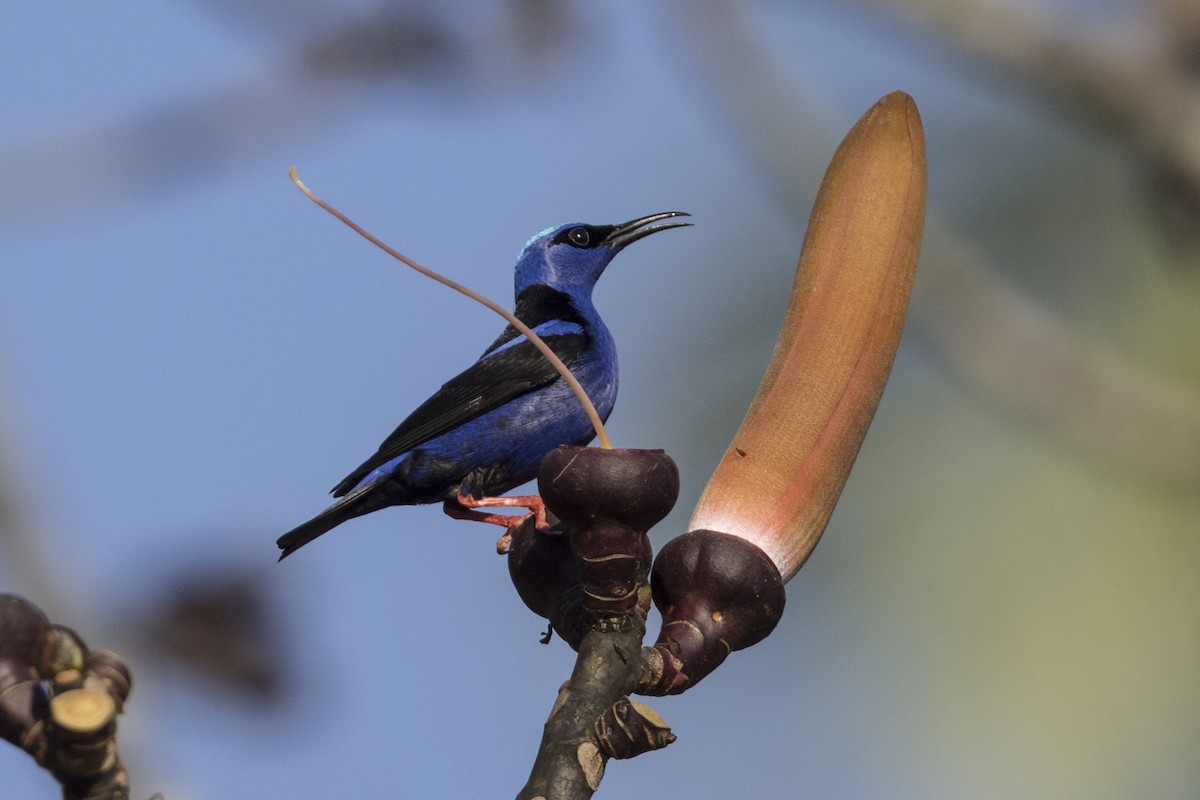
column 486, row 430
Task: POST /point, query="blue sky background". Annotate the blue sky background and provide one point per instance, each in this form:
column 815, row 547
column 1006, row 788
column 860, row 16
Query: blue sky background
column 191, row 354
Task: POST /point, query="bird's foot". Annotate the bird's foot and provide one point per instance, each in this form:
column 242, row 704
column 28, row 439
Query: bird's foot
column 464, row 506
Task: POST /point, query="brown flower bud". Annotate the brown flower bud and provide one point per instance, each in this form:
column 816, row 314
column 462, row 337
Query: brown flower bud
column 721, row 587
column 780, row 478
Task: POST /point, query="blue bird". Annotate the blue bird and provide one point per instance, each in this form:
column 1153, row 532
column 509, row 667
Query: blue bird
column 486, row 430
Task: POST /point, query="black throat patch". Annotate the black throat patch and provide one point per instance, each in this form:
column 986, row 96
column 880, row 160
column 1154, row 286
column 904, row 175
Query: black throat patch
column 537, row 305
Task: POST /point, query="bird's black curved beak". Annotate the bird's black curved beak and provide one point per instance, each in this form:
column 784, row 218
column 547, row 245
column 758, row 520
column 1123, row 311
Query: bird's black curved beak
column 629, row 232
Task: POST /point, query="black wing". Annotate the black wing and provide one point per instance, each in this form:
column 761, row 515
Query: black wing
column 486, row 384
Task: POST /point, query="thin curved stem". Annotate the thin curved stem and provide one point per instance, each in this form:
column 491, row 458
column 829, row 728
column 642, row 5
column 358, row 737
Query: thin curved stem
column 544, row 348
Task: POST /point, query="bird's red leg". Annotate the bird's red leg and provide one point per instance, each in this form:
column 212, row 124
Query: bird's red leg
column 463, row 507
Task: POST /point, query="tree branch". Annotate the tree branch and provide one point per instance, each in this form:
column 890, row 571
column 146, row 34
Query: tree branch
column 571, row 759
column 591, row 582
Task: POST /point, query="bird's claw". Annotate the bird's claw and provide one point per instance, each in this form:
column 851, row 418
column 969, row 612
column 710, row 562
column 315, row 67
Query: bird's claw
column 464, row 506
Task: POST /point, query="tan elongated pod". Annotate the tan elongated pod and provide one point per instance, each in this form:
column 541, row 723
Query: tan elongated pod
column 720, row 587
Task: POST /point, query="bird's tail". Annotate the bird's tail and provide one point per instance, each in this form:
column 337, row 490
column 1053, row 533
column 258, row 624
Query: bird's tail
column 353, row 505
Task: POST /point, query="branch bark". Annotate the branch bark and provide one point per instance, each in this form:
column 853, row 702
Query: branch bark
column 571, row 759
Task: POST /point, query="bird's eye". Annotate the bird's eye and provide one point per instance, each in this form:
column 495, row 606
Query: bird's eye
column 579, row 237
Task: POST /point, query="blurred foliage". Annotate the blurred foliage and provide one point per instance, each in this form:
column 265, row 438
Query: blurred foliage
column 1012, row 567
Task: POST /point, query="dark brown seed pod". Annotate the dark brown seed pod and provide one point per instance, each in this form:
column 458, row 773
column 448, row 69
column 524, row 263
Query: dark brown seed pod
column 543, row 571
column 717, row 593
column 607, row 500
column 16, row 711
column 541, row 566
column 636, row 488
column 22, row 628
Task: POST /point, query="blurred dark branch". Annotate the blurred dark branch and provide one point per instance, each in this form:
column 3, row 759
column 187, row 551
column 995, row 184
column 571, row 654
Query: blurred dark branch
column 768, row 110
column 998, row 338
column 88, row 169
column 313, row 80
column 220, row 623
column 390, row 43
column 1015, row 350
column 1139, row 76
